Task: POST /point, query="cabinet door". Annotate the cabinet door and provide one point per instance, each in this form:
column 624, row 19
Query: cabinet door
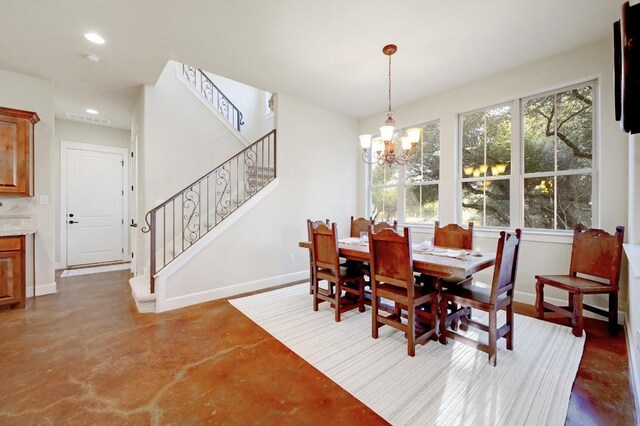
column 11, row 278
column 15, row 147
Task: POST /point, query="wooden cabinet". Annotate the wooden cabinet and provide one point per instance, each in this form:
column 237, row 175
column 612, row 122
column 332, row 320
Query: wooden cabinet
column 16, row 151
column 12, row 271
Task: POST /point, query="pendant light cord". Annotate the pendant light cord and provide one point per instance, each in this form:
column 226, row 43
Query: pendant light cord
column 389, row 83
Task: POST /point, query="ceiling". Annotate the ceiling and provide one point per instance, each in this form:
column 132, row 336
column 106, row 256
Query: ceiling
column 325, row 52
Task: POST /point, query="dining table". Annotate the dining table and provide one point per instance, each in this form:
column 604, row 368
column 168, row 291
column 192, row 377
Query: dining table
column 440, row 262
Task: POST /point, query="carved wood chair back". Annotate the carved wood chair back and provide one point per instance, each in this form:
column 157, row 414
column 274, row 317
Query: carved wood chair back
column 324, row 245
column 360, row 224
column 504, row 275
column 377, row 227
column 597, row 253
column 391, row 258
column 453, row 236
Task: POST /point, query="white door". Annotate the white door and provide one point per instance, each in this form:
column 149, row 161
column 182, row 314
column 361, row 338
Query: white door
column 95, row 206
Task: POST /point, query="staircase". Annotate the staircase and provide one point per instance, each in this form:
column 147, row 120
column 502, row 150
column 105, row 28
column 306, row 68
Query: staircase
column 179, row 222
column 184, row 219
column 211, row 94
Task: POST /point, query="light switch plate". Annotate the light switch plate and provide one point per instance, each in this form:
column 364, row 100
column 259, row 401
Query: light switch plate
column 44, row 200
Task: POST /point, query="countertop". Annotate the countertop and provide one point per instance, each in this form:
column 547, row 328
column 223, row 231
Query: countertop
column 15, row 232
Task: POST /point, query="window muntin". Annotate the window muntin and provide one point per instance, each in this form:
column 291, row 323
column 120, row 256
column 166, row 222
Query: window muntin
column 413, row 187
column 557, row 136
column 485, row 140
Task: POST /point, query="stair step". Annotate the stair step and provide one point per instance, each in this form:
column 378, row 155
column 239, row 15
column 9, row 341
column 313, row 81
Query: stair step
column 140, row 290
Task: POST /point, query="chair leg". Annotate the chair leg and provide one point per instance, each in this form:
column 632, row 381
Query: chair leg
column 337, row 306
column 509, row 335
column 577, row 315
column 539, row 300
column 361, row 297
column 493, row 338
column 613, row 314
column 434, row 315
column 411, row 329
column 314, row 291
column 570, row 306
column 311, row 279
column 374, row 310
column 454, row 323
column 443, row 321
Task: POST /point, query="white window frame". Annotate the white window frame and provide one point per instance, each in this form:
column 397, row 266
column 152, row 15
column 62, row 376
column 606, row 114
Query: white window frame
column 460, row 175
column 516, row 185
column 401, row 185
column 593, row 170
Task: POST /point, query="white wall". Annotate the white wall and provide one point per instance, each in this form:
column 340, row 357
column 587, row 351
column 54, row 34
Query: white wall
column 251, row 103
column 316, row 180
column 72, row 131
column 33, row 94
column 181, row 140
column 633, row 313
column 539, row 255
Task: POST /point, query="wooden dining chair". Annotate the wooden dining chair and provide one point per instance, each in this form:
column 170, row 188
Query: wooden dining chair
column 311, row 253
column 359, row 225
column 392, row 278
column 326, row 266
column 377, row 227
column 595, row 253
column 453, row 236
column 491, row 300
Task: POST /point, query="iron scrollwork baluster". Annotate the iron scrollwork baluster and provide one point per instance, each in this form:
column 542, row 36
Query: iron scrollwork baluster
column 191, row 231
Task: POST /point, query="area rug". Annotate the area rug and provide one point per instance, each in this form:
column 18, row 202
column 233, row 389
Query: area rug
column 443, row 384
column 95, row 270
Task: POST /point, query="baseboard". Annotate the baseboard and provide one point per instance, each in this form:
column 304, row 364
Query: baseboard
column 633, row 370
column 167, row 304
column 42, row 289
column 530, row 299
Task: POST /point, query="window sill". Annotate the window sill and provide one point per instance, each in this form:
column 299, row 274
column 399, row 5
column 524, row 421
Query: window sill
column 554, row 237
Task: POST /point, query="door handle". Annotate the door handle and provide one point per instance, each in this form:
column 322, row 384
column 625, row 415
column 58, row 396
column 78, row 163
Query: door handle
column 71, row 222
column 133, row 225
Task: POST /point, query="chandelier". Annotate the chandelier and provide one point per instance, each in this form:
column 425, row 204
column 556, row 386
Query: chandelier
column 384, row 147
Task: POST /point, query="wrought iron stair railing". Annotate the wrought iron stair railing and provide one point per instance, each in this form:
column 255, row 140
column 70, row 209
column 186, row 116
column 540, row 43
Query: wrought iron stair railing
column 180, row 221
column 213, row 95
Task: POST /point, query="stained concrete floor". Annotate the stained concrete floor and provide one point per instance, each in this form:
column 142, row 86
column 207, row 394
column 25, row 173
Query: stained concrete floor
column 86, row 356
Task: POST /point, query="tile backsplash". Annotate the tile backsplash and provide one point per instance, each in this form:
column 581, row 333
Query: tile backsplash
column 17, row 213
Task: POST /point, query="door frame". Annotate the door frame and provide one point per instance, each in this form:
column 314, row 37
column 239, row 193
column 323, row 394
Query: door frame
column 64, row 147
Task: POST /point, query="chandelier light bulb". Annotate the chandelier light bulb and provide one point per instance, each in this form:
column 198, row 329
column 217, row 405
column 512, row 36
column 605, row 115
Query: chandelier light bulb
column 365, row 141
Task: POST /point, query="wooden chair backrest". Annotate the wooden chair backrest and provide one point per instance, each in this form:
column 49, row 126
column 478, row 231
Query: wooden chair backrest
column 377, row 227
column 598, row 253
column 360, row 224
column 504, row 274
column 324, row 245
column 391, row 259
column 453, row 236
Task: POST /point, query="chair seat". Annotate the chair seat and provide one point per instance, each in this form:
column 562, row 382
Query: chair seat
column 385, row 290
column 576, row 284
column 477, row 292
column 346, row 274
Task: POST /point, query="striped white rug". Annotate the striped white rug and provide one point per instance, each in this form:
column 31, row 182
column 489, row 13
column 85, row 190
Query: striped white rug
column 446, row 385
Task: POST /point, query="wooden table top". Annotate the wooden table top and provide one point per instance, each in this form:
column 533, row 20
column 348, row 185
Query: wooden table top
column 424, row 263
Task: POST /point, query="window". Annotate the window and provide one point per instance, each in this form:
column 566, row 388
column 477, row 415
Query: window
column 558, row 158
column 486, row 166
column 409, row 193
column 550, row 174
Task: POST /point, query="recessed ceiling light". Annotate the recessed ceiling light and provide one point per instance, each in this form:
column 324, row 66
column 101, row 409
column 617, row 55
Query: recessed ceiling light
column 91, row 111
column 92, row 57
column 94, row 38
